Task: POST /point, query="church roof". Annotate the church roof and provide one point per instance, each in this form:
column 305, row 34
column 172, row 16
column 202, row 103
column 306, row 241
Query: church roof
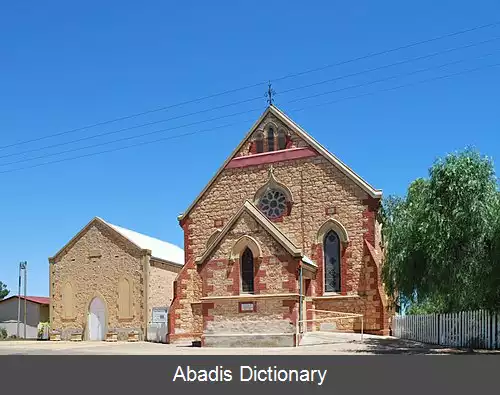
column 371, row 191
column 159, row 249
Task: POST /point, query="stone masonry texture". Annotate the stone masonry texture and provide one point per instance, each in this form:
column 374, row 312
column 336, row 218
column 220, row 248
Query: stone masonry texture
column 320, row 192
column 93, row 264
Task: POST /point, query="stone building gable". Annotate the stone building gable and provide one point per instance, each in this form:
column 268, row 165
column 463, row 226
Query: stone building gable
column 106, row 231
column 94, row 264
column 293, row 140
column 275, row 269
column 272, row 113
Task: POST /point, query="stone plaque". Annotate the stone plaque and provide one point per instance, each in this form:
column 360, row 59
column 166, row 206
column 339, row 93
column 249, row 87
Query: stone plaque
column 247, row 307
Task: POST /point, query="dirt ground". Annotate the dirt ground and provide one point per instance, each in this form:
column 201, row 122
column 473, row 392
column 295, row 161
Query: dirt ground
column 318, row 345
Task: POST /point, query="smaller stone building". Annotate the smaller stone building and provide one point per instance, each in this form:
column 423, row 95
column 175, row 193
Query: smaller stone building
column 108, row 280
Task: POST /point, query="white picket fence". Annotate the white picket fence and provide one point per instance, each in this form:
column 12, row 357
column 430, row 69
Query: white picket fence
column 471, row 329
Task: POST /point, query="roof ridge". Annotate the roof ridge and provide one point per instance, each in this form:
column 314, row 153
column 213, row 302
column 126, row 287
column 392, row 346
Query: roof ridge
column 138, row 233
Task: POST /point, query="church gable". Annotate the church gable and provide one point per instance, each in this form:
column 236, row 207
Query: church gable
column 250, row 222
column 290, row 142
column 270, row 135
column 274, row 267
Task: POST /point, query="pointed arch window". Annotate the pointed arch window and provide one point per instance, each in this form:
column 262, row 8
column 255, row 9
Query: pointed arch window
column 259, row 143
column 270, row 139
column 281, row 139
column 247, row 271
column 331, row 249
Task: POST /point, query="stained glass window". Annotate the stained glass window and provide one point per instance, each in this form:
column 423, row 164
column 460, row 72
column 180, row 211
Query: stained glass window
column 273, row 203
column 281, row 140
column 331, row 249
column 247, row 273
column 259, row 143
column 270, row 139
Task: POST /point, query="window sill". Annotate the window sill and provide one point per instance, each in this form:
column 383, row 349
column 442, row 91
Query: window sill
column 334, row 296
column 250, row 297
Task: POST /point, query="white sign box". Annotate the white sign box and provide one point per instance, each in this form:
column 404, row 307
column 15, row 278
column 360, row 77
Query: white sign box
column 160, row 315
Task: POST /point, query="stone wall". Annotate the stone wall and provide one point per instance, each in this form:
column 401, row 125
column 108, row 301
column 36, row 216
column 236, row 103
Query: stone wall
column 92, row 267
column 161, row 284
column 320, row 192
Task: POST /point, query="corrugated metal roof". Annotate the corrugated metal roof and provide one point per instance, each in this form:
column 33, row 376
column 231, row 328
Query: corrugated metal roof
column 159, row 249
column 34, row 299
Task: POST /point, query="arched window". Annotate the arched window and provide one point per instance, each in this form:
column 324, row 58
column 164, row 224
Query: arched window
column 259, row 143
column 331, row 249
column 281, row 139
column 247, row 273
column 270, row 139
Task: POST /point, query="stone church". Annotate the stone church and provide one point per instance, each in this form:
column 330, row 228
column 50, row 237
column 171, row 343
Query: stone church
column 282, row 231
column 107, row 280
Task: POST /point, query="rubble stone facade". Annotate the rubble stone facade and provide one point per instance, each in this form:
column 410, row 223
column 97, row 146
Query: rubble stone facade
column 100, row 263
column 319, row 195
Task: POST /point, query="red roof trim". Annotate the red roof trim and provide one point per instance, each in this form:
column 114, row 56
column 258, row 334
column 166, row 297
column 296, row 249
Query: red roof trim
column 34, row 299
column 271, row 157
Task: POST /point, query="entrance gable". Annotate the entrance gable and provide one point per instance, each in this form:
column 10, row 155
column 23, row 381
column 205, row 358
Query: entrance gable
column 250, row 221
column 274, row 266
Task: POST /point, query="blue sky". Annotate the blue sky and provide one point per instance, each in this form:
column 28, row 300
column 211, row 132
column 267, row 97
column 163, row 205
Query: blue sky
column 65, row 66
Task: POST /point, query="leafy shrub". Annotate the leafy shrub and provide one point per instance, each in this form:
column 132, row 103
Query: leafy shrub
column 3, row 333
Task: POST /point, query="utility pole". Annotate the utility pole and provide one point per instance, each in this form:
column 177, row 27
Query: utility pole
column 19, row 302
column 22, row 266
column 25, row 296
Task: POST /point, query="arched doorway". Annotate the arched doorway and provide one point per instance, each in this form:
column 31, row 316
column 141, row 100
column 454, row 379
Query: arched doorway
column 97, row 319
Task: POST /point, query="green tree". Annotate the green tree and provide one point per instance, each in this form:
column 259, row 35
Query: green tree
column 443, row 239
column 3, row 290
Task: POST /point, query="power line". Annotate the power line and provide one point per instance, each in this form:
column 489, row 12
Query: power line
column 470, row 45
column 391, row 65
column 132, row 127
column 232, row 124
column 294, row 75
column 398, row 87
column 242, row 112
column 390, row 78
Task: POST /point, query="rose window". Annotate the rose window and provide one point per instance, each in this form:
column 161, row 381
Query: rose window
column 273, row 203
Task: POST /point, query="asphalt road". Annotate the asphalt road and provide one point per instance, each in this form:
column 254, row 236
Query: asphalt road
column 322, row 345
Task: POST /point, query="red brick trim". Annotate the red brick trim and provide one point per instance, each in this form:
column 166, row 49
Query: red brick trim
column 318, row 256
column 271, row 157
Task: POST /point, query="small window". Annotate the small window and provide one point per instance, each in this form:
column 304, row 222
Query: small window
column 247, row 273
column 259, row 143
column 270, row 139
column 281, row 140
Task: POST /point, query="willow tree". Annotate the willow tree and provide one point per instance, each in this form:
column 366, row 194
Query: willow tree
column 443, row 238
